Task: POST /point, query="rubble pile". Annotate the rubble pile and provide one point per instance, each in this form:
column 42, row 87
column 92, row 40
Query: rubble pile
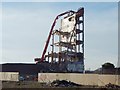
column 112, row 86
column 64, row 83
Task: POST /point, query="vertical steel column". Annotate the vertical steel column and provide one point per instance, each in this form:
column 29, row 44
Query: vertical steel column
column 52, row 56
column 79, row 34
column 83, row 43
column 60, row 48
column 48, row 56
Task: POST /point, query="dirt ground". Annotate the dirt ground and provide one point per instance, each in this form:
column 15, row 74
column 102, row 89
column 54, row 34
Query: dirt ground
column 30, row 85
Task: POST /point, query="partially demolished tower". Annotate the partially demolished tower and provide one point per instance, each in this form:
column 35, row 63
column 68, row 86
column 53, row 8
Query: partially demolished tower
column 70, row 43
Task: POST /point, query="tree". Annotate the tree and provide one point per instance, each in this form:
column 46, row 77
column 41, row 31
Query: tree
column 108, row 66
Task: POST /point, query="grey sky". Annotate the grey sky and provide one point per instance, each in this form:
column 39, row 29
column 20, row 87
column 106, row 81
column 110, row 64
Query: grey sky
column 60, row 0
column 26, row 26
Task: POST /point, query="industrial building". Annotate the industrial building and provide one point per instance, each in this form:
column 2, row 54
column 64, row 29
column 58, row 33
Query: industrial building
column 69, row 55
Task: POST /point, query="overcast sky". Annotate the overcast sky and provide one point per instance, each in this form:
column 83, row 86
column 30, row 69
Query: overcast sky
column 25, row 28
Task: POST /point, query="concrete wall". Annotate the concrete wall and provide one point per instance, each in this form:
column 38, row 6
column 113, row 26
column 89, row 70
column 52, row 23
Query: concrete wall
column 105, row 79
column 85, row 79
column 9, row 76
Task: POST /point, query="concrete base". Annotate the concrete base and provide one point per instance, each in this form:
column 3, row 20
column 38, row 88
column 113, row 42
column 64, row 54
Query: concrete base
column 9, row 76
column 84, row 79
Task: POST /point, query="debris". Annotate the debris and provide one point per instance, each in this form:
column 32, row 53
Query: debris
column 64, row 83
column 112, row 86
